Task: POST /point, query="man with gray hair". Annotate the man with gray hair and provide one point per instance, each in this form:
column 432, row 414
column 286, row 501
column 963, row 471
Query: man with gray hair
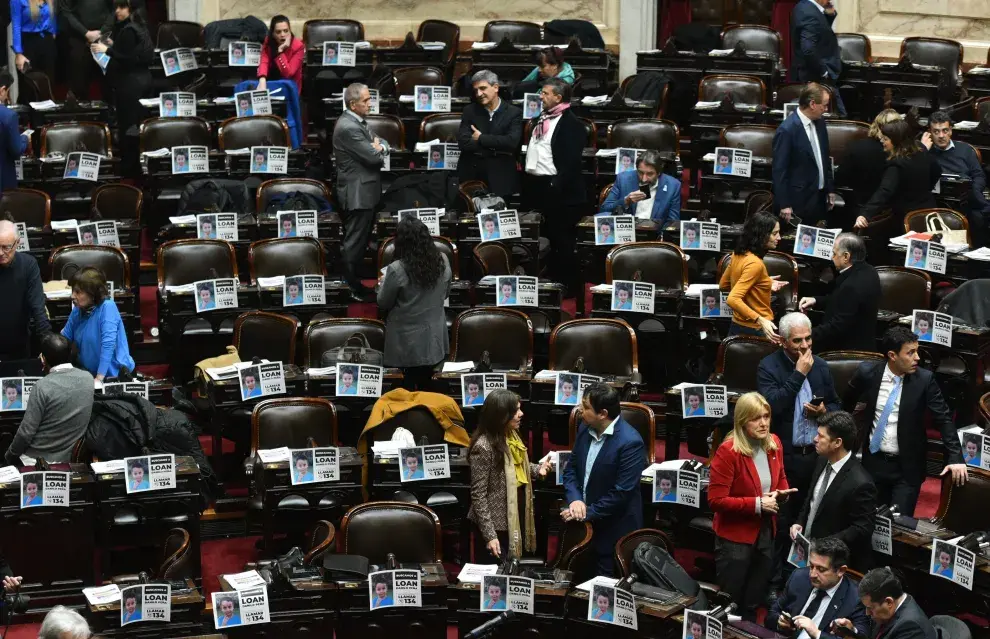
column 648, row 192
column 489, row 138
column 850, row 321
column 23, row 297
column 63, row 623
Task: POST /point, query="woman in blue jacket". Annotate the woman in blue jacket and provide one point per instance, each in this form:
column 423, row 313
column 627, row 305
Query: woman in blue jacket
column 95, row 326
column 628, row 194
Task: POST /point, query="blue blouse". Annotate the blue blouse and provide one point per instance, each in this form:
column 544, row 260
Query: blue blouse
column 101, row 339
column 20, row 21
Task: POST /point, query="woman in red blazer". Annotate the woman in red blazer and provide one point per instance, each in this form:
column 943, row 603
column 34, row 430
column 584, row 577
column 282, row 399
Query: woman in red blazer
column 282, row 55
column 747, row 485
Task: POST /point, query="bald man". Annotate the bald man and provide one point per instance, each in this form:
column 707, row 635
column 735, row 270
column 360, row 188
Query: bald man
column 22, row 297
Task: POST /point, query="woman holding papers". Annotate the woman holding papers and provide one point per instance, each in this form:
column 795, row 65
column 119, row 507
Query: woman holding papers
column 95, row 326
column 746, row 279
column 501, row 481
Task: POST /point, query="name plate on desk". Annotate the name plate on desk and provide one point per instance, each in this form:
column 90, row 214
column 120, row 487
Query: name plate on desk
column 48, row 488
column 394, row 588
column 926, row 256
column 419, row 463
column 614, row 229
column 632, row 296
column 608, row 604
column 931, row 327
column 314, row 465
column 475, row 387
column 676, row 487
column 501, row 592
column 240, row 607
column 215, row 294
column 150, row 472
column 147, row 602
column 953, row 563
column 304, row 289
column 16, row 392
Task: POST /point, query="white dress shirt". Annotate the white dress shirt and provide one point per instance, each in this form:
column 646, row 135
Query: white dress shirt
column 809, row 130
column 817, row 619
column 539, row 155
column 889, row 442
column 836, row 467
column 644, row 208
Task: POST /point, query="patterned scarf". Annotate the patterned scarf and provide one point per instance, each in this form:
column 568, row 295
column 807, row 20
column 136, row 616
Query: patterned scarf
column 516, row 473
column 543, row 122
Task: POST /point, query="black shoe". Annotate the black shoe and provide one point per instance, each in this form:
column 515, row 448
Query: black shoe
column 363, row 295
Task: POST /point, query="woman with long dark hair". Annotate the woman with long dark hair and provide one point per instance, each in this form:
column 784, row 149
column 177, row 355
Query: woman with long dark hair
column 502, row 481
column 747, row 280
column 282, row 55
column 412, row 293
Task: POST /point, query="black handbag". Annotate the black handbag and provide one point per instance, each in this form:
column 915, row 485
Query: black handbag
column 356, row 350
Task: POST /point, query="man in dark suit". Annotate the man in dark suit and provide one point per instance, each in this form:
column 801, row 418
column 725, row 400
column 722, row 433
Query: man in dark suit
column 553, row 176
column 816, row 598
column 13, row 143
column 851, row 308
column 359, row 157
column 489, row 138
column 895, row 614
column 601, row 482
column 802, row 171
column 816, row 56
column 842, row 498
column 897, row 394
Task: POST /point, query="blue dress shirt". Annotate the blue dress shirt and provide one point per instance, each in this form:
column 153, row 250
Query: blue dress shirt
column 597, row 441
column 20, row 21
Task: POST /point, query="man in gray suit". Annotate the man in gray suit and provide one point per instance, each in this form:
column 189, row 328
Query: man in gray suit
column 359, row 157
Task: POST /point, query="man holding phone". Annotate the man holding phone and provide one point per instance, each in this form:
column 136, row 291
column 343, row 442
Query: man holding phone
column 646, row 193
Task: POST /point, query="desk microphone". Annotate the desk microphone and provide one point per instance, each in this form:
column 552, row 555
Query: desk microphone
column 491, row 625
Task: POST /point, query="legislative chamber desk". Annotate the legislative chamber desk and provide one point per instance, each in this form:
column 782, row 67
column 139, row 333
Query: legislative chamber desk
column 384, row 482
column 449, row 384
column 591, row 257
column 352, row 410
column 128, row 234
column 707, row 122
column 304, row 606
column 871, row 85
column 358, row 621
column 247, row 232
column 549, row 599
column 512, row 62
column 697, row 428
column 656, row 620
column 186, row 617
column 177, row 308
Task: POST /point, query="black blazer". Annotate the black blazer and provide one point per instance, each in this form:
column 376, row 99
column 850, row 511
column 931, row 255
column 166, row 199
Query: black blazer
column 795, row 172
column 779, row 382
column 850, row 312
column 567, row 145
column 906, row 186
column 909, row 622
column 492, row 158
column 920, row 392
column 816, row 48
column 861, row 169
column 846, row 511
column 844, row 604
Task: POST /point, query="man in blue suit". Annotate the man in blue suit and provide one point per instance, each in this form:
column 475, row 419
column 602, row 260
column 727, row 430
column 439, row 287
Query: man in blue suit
column 626, row 197
column 818, row 595
column 816, row 56
column 601, row 483
column 802, row 171
column 13, row 143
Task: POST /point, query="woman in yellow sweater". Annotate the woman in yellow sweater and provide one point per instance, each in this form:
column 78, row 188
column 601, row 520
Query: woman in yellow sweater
column 747, row 280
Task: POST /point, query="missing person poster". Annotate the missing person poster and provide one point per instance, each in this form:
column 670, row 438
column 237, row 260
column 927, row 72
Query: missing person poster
column 102, row 233
column 212, row 295
column 953, row 563
column 296, row 223
column 300, row 290
column 932, row 327
column 881, row 539
column 360, row 380
column 569, row 387
column 632, row 296
column 374, row 110
column 676, row 487
column 502, row 592
column 339, row 54
column 625, row 160
column 797, row 555
column 698, row 625
column 429, row 217
column 532, row 105
column 16, row 392
column 148, row 602
column 48, row 488
column 814, row 242
column 430, row 99
column 443, row 156
column 424, row 462
column 516, row 290
column 243, row 54
column 394, row 588
column 177, row 104
column 701, row 236
column 508, row 224
column 22, row 237
column 217, row 226
column 737, row 162
column 499, row 225
column 248, row 103
column 149, row 472
column 269, row 159
column 975, row 449
column 240, row 607
column 608, row 604
column 475, row 387
column 924, row 255
column 82, row 166
column 261, row 380
column 126, row 388
column 178, row 60
column 314, row 465
column 190, row 159
column 704, row 401
column 714, row 303
column 614, row 229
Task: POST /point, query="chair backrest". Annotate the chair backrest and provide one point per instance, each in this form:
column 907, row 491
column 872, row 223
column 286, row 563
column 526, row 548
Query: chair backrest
column 440, row 126
column 902, row 289
column 117, row 201
column 286, row 256
column 916, row 220
column 257, row 130
column 65, row 260
column 31, row 206
column 69, row 137
column 854, row 47
column 177, row 557
column 757, row 138
column 179, row 33
column 292, row 422
column 938, row 52
column 843, row 365
column 321, row 541
column 644, row 133
column 407, row 78
column 787, row 92
column 758, row 201
column 389, row 128
column 516, row 31
column 754, row 37
column 639, row 416
column 493, row 258
column 316, row 32
column 411, row 532
column 981, row 107
column 963, row 508
column 744, row 89
column 738, row 358
column 441, row 31
column 186, row 261
column 626, row 546
column 575, row 544
column 608, row 346
column 325, row 334
column 386, row 253
column 786, row 267
column 842, row 133
column 960, row 110
column 159, row 133
column 269, row 188
column 266, row 335
column 663, row 264
column 507, row 335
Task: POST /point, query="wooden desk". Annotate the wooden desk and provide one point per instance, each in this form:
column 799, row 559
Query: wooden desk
column 427, row 622
column 187, row 616
column 549, row 600
column 655, row 619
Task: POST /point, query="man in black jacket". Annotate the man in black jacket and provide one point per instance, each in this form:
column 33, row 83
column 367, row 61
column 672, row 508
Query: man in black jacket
column 895, row 614
column 851, row 309
column 23, row 296
column 489, row 138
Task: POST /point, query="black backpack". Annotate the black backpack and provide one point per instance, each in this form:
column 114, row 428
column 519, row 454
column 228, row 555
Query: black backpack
column 646, row 85
column 209, row 197
column 654, row 566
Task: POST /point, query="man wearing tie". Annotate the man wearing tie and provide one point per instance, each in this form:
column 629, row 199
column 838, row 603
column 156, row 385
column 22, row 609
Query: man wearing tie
column 895, row 614
column 802, row 169
column 897, row 394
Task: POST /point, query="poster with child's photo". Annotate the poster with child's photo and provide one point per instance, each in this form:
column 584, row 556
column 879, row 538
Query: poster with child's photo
column 625, row 160
column 347, row 379
column 250, row 379
column 473, row 393
column 566, row 390
column 917, row 255
column 665, row 486
column 690, row 235
column 489, row 226
column 302, row 466
column 922, row 325
column 424, row 99
column 532, row 105
column 694, row 401
column 797, row 556
column 972, row 449
column 13, row 394
column 437, row 159
column 604, row 230
column 32, row 490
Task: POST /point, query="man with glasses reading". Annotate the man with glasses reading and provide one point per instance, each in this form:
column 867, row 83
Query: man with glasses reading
column 23, row 296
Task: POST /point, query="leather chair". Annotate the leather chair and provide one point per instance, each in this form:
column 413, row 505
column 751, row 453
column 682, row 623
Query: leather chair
column 316, row 32
column 644, row 133
column 159, row 133
column 321, row 542
column 407, row 78
column 286, row 256
column 178, row 560
column 788, row 92
column 663, row 264
column 758, row 201
column 744, row 89
column 386, row 253
column 69, row 137
column 963, row 509
column 492, row 258
column 187, row 261
column 738, row 358
column 257, row 130
column 441, row 31
column 842, row 133
column 608, row 347
column 325, row 334
column 639, row 416
column 117, row 201
column 293, row 422
column 440, row 126
column 507, row 335
column 516, row 31
column 65, row 260
column 575, row 553
column 625, row 547
column 902, row 290
column 662, row 100
column 269, row 188
column 854, row 47
column 960, row 110
column 389, row 128
column 981, row 108
column 938, row 52
column 755, row 38
column 173, row 34
column 418, row 420
column 409, row 531
column 30, row 206
column 757, row 138
column 915, row 220
column 35, row 86
column 843, row 365
column 266, row 335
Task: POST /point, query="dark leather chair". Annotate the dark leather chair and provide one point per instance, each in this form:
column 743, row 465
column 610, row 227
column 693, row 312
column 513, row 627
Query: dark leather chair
column 625, row 547
column 843, row 364
column 178, row 33
column 69, row 137
column 187, row 261
column 36, row 86
column 386, row 253
column 639, row 416
column 269, row 188
column 744, row 89
column 738, row 358
column 159, row 133
column 663, row 264
column 662, row 100
column 266, row 335
column 286, row 256
column 981, row 107
column 321, row 542
column 516, row 31
column 507, row 335
column 854, row 47
column 788, row 92
column 293, row 422
column 608, row 347
column 960, row 110
column 65, row 260
column 409, row 531
column 117, row 201
column 30, row 206
column 758, row 201
column 842, row 133
column 389, row 128
column 786, row 268
column 440, row 126
column 325, row 334
column 493, row 258
column 757, row 138
column 902, row 289
column 178, row 560
column 441, row 31
column 316, row 32
column 574, row 552
column 644, row 133
column 257, row 130
column 915, row 220
column 754, row 37
column 963, row 509
column 407, row 78
column 938, row 52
